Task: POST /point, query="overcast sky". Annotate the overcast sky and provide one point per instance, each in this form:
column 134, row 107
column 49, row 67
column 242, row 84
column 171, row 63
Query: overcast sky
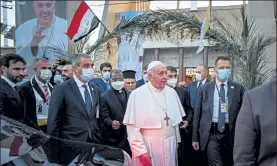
column 98, row 10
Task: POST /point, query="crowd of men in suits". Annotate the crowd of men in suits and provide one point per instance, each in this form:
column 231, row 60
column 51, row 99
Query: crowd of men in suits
column 76, row 106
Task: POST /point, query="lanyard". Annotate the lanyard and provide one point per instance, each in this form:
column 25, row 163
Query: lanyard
column 226, row 97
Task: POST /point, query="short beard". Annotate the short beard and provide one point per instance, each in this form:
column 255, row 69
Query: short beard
column 14, row 79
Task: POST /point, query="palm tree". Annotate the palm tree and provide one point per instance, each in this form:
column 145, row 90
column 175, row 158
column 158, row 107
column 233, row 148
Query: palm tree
column 245, row 44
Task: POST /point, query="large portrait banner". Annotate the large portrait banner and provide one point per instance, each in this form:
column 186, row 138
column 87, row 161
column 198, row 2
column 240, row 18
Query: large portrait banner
column 40, row 30
column 130, row 49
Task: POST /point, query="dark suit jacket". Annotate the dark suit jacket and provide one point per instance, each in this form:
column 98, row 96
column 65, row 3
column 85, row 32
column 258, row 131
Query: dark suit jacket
column 28, row 93
column 111, row 110
column 11, row 102
column 255, row 138
column 184, row 98
column 192, row 87
column 203, row 112
column 68, row 118
column 99, row 82
column 140, row 83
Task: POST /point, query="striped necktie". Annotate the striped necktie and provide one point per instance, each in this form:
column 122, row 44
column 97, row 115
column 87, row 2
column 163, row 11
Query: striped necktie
column 46, row 93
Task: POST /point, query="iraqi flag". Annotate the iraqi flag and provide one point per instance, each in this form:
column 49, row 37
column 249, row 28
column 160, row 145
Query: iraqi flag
column 83, row 23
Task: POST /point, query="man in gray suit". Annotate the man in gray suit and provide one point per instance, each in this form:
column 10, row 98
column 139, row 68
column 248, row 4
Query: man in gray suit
column 217, row 106
column 255, row 138
column 74, row 110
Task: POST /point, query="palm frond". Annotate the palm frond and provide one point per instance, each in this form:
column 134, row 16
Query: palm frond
column 243, row 41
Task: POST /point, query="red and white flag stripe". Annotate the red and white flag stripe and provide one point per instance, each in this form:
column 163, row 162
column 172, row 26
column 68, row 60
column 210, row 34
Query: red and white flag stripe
column 83, row 23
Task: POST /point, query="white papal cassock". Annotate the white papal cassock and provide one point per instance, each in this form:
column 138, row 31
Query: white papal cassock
column 146, row 128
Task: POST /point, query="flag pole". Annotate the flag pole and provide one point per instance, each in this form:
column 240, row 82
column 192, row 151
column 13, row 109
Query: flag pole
column 100, row 22
column 210, row 20
column 206, row 48
column 104, row 26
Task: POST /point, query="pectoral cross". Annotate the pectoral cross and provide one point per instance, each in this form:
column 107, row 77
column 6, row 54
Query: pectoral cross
column 166, row 119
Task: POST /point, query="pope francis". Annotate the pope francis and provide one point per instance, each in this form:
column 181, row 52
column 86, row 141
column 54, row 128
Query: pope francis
column 43, row 36
column 153, row 114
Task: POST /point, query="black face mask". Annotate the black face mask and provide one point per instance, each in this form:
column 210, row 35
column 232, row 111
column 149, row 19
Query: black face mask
column 66, row 78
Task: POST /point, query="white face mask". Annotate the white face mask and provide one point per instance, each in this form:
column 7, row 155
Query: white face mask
column 45, row 74
column 145, row 78
column 118, row 85
column 172, row 82
column 58, row 79
column 198, row 77
column 87, row 74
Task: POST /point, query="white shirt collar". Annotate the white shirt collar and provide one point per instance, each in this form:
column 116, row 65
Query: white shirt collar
column 104, row 79
column 40, row 84
column 12, row 84
column 202, row 81
column 155, row 90
column 218, row 83
column 78, row 82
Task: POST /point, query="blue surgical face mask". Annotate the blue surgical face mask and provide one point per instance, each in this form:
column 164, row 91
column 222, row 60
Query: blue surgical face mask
column 145, row 78
column 107, row 76
column 58, row 79
column 23, row 81
column 223, row 74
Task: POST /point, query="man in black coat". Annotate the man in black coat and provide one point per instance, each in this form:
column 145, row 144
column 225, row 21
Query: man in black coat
column 12, row 72
column 185, row 150
column 255, row 138
column 37, row 93
column 74, row 111
column 113, row 106
column 217, row 106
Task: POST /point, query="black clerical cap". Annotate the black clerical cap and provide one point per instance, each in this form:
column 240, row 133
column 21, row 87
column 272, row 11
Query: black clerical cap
column 129, row 74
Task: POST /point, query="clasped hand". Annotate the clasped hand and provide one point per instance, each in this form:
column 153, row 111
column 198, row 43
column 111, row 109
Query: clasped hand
column 115, row 124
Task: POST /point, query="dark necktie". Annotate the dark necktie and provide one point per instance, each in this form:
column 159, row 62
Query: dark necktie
column 200, row 83
column 221, row 115
column 108, row 85
column 88, row 100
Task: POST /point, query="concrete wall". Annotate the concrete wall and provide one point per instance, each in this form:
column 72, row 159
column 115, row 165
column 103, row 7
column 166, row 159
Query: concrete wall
column 5, row 50
column 170, row 56
column 263, row 12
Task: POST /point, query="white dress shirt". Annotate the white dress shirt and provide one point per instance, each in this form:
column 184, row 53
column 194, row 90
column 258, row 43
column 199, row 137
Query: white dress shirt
column 41, row 86
column 203, row 82
column 216, row 101
column 8, row 81
column 81, row 88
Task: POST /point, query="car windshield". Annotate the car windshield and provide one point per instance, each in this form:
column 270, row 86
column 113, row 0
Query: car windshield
column 19, row 141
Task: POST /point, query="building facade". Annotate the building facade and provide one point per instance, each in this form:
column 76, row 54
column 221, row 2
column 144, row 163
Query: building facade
column 264, row 12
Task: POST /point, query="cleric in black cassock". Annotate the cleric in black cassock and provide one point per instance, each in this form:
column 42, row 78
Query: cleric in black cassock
column 113, row 106
column 184, row 149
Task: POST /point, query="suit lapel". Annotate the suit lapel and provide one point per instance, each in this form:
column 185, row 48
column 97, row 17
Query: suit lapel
column 50, row 87
column 14, row 93
column 230, row 94
column 19, row 100
column 38, row 89
column 77, row 93
column 116, row 100
column 211, row 90
column 94, row 97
